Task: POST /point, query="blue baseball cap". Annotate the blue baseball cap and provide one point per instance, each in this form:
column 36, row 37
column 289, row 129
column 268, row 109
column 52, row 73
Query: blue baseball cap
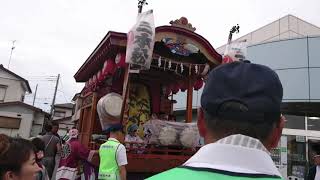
column 256, row 89
column 113, row 128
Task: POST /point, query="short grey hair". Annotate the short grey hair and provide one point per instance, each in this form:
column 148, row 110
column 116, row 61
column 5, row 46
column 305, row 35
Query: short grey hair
column 221, row 128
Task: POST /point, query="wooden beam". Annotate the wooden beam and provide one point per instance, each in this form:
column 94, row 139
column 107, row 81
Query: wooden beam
column 93, row 111
column 189, row 100
column 125, row 92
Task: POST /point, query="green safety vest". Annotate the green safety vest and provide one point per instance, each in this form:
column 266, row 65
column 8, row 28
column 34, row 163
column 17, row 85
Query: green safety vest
column 189, row 173
column 109, row 169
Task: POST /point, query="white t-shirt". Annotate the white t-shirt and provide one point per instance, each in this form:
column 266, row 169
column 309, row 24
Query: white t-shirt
column 317, row 176
column 121, row 154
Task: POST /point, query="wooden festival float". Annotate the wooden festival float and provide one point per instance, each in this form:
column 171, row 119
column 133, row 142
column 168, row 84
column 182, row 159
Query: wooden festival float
column 180, row 62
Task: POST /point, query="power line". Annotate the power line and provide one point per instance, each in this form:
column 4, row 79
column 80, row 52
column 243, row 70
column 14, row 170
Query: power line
column 41, row 76
column 45, row 80
column 63, row 95
column 62, row 87
column 12, row 48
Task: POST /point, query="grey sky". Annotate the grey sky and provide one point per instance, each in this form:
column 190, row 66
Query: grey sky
column 56, row 36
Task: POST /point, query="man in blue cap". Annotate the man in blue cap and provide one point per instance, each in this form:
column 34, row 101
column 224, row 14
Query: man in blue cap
column 240, row 122
column 113, row 157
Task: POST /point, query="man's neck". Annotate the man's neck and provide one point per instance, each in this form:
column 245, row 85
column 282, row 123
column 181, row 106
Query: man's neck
column 113, row 136
column 210, row 139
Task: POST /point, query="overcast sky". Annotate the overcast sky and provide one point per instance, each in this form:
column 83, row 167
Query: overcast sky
column 57, row 36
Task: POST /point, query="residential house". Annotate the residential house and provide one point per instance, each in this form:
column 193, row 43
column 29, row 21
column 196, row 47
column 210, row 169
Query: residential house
column 62, row 113
column 78, row 101
column 16, row 117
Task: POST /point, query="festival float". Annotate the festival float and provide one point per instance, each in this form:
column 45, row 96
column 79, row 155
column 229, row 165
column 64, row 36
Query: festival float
column 142, row 98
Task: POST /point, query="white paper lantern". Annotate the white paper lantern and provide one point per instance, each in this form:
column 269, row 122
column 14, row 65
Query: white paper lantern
column 189, row 137
column 168, row 136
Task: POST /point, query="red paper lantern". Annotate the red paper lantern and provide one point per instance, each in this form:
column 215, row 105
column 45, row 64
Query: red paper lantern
column 94, row 79
column 99, row 77
column 120, row 60
column 94, row 82
column 198, row 84
column 184, row 86
column 104, row 71
column 168, row 90
column 111, row 67
column 176, row 88
column 90, row 82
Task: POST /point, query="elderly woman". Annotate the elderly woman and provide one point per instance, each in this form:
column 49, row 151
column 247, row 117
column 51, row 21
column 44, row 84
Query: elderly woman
column 17, row 159
column 73, row 156
column 132, row 135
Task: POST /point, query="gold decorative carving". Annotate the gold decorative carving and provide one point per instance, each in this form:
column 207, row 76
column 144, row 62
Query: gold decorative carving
column 183, row 23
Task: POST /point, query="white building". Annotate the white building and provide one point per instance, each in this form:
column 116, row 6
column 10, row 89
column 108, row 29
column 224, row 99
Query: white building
column 12, row 86
column 20, row 119
column 287, row 27
column 290, row 46
column 16, row 117
column 62, row 110
column 62, row 113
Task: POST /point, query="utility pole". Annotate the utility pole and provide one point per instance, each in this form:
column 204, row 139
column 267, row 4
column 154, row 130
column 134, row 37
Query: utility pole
column 12, row 48
column 54, row 95
column 35, row 94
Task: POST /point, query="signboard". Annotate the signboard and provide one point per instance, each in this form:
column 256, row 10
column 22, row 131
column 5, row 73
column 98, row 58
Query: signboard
column 140, row 41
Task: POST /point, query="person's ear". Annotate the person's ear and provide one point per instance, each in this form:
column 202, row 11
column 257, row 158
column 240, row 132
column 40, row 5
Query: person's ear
column 277, row 133
column 9, row 175
column 201, row 123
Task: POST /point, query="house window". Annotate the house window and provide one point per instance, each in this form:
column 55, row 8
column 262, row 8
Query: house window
column 3, row 90
column 9, row 122
column 22, row 98
column 59, row 114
